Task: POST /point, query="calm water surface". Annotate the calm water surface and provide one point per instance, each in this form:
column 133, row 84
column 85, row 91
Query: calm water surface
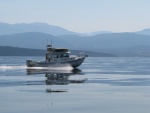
column 99, row 85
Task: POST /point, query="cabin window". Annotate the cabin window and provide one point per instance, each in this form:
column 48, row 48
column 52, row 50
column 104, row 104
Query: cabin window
column 66, row 55
column 61, row 55
column 55, row 56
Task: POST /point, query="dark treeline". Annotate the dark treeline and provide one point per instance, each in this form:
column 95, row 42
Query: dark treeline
column 15, row 51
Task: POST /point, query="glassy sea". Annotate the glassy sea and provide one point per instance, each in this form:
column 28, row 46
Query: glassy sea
column 99, row 85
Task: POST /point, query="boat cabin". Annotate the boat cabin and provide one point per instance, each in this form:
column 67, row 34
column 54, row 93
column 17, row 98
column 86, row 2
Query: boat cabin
column 57, row 54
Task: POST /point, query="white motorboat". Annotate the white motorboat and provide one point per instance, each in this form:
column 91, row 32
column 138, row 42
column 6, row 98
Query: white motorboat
column 58, row 57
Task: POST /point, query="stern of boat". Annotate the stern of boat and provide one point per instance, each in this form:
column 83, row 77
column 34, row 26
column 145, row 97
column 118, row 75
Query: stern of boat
column 30, row 63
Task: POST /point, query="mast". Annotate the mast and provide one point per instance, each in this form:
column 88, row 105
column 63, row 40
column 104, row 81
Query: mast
column 51, row 43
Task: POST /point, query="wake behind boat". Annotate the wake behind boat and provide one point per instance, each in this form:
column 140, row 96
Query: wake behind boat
column 58, row 57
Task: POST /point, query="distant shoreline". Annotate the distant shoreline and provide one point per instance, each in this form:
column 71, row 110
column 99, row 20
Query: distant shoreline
column 16, row 51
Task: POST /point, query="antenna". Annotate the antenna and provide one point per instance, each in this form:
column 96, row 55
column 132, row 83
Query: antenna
column 51, row 42
column 47, row 41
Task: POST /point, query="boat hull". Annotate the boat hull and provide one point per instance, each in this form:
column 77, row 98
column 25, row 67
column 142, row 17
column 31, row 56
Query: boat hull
column 73, row 63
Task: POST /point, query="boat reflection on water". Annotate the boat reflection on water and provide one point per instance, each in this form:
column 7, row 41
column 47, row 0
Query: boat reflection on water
column 58, row 77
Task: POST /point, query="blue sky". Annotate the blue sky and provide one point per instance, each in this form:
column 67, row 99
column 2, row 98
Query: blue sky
column 80, row 15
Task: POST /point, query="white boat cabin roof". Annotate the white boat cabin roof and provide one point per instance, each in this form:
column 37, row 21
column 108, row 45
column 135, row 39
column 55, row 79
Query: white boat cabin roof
column 51, row 49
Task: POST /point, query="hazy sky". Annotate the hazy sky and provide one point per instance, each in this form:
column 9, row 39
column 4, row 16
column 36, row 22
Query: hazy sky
column 80, row 15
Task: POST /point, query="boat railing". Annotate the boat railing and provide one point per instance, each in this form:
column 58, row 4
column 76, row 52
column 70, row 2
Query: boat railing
column 73, row 56
column 81, row 54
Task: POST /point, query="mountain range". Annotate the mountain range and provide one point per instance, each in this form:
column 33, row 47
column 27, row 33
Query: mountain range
column 38, row 35
column 8, row 29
